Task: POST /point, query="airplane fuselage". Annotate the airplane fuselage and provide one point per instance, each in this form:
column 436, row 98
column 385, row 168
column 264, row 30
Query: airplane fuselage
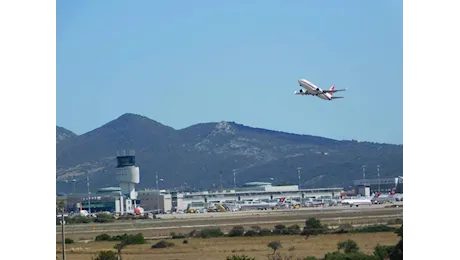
column 312, row 89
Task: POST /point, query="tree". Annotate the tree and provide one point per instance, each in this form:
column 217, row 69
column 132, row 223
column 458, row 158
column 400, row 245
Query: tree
column 313, row 226
column 236, row 231
column 119, row 247
column 348, row 246
column 275, row 245
column 106, row 255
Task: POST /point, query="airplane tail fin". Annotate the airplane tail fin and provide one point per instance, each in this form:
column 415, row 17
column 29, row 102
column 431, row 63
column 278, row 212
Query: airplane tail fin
column 393, row 191
column 331, row 88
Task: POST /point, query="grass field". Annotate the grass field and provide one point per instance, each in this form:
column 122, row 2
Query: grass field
column 220, row 248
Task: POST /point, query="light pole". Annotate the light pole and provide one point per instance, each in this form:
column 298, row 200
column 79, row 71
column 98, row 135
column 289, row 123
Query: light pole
column 378, row 175
column 364, row 173
column 221, row 182
column 298, row 173
column 74, row 185
column 234, row 178
column 62, row 234
column 89, row 195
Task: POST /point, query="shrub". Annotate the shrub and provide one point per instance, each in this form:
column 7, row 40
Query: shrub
column 240, row 257
column 349, row 256
column 256, row 228
column 293, row 230
column 375, row 229
column 313, row 227
column 236, row 231
column 104, row 218
column 163, row 244
column 343, row 228
column 185, row 241
column 210, row 232
column 383, row 251
column 348, row 246
column 265, row 232
column 275, row 245
column 179, row 235
column 68, row 241
column 129, row 239
column 103, row 237
column 135, row 239
column 106, row 255
column 279, row 229
column 251, row 233
column 397, row 221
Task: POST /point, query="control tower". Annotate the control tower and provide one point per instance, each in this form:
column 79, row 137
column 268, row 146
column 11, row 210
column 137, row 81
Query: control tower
column 128, row 176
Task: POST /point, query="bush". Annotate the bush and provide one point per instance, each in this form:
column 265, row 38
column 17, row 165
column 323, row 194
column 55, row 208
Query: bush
column 397, row 221
column 103, row 237
column 348, row 256
column 313, row 227
column 179, row 235
column 185, row 241
column 275, row 245
column 236, row 231
column 240, row 257
column 251, row 233
column 129, row 239
column 106, row 255
column 265, row 232
column 210, row 232
column 104, row 218
column 279, row 229
column 163, row 244
column 348, row 246
column 383, row 251
column 68, row 241
column 256, row 228
column 293, row 230
column 375, row 229
column 343, row 228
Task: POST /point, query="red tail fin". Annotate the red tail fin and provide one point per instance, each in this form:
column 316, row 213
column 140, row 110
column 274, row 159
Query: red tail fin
column 393, row 191
column 331, row 88
column 282, row 199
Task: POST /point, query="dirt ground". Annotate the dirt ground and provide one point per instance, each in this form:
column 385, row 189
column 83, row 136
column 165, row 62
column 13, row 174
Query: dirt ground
column 220, row 248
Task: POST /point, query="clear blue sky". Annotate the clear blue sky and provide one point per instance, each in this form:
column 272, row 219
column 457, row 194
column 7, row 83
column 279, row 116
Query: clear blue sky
column 187, row 62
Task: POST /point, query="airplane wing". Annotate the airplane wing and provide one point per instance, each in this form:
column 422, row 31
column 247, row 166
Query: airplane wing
column 333, row 91
column 336, row 97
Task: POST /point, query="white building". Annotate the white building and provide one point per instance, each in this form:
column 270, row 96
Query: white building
column 153, row 200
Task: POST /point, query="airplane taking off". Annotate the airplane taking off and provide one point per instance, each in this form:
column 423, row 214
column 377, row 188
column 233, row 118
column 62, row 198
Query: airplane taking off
column 312, row 89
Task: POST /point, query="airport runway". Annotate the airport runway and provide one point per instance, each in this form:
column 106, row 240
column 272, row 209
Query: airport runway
column 226, row 220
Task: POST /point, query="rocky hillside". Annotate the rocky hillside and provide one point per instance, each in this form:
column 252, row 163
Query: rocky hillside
column 197, row 156
column 63, row 134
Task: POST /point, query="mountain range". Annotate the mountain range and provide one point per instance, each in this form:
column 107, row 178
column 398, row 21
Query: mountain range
column 203, row 156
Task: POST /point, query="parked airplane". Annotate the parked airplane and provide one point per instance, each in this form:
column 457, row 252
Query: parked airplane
column 380, row 198
column 260, row 205
column 357, row 202
column 312, row 89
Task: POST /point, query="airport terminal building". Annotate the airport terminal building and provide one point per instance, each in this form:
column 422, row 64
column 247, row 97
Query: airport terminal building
column 381, row 185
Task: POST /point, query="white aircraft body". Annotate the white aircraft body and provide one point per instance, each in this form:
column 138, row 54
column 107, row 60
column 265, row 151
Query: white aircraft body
column 357, row 202
column 312, row 89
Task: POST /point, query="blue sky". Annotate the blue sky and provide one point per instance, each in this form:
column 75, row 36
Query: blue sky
column 187, row 62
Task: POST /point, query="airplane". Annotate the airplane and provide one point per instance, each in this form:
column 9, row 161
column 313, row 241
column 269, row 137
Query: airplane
column 380, row 198
column 312, row 89
column 356, row 202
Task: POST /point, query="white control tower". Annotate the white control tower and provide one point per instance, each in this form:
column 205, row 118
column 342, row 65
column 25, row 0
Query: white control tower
column 128, row 176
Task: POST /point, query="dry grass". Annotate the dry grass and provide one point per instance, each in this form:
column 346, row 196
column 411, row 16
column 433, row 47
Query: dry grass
column 220, row 248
